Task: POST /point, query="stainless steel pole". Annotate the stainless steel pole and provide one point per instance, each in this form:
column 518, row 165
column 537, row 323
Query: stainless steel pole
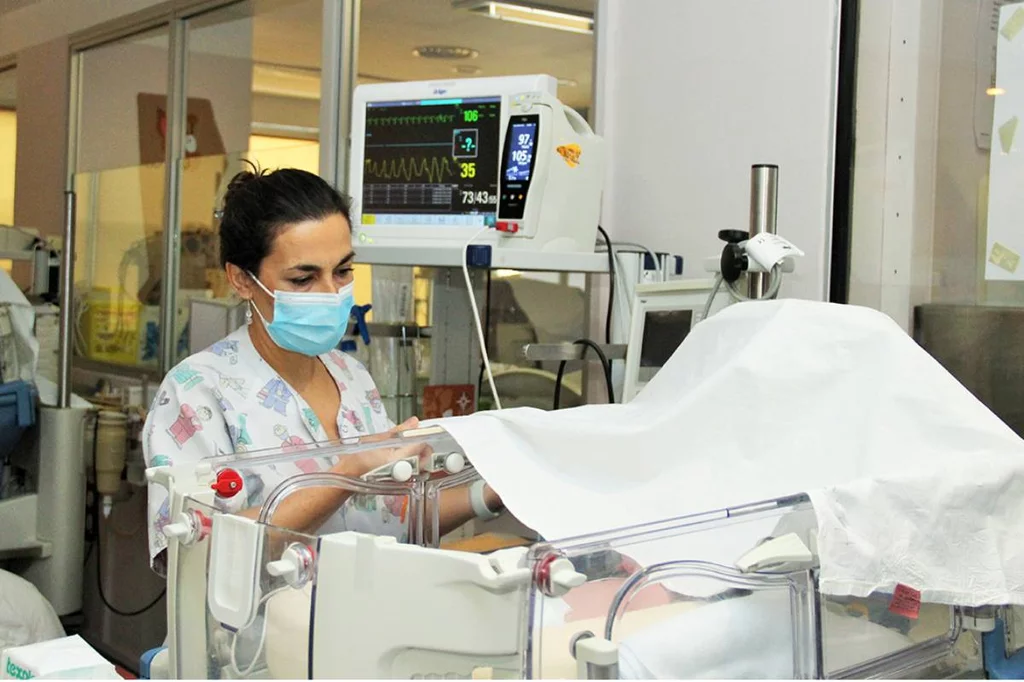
column 764, row 195
column 67, row 302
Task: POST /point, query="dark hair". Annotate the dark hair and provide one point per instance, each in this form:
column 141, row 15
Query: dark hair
column 259, row 203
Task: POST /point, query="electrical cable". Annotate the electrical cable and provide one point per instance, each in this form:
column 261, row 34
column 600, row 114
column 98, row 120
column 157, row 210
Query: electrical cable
column 611, row 285
column 487, row 332
column 773, row 289
column 737, row 295
column 711, row 296
column 605, row 365
column 476, row 317
column 99, row 558
column 636, row 248
column 263, row 640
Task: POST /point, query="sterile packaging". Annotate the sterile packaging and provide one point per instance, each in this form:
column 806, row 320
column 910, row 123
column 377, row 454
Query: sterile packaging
column 68, row 658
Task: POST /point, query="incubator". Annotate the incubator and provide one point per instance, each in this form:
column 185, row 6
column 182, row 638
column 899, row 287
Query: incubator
column 248, row 598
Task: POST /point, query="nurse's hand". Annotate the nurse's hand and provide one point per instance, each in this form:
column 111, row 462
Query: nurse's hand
column 410, row 423
column 361, row 463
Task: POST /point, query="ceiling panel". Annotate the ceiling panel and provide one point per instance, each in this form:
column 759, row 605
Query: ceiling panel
column 287, row 35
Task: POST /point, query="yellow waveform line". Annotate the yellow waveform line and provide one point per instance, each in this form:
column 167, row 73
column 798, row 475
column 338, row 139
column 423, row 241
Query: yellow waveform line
column 435, row 169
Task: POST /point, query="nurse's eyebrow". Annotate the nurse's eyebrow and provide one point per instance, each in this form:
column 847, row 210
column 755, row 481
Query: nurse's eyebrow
column 313, row 269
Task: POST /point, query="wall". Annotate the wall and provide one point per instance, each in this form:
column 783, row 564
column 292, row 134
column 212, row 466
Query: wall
column 748, row 82
column 43, row 86
column 894, row 184
column 8, row 142
column 49, row 20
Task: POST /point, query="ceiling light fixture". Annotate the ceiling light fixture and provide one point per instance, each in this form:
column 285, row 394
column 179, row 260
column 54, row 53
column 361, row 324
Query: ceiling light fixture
column 995, row 92
column 532, row 15
column 445, row 52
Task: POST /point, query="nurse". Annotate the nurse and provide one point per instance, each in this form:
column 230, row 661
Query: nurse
column 279, row 381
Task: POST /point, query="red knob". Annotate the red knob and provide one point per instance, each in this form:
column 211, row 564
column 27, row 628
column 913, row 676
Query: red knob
column 228, row 484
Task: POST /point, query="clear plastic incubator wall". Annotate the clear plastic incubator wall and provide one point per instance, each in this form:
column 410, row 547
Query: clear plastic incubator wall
column 249, row 599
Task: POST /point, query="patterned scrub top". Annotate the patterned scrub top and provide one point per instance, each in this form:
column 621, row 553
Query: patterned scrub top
column 227, row 399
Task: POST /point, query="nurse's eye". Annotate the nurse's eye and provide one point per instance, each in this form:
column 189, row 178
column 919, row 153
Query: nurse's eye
column 342, row 273
column 301, row 281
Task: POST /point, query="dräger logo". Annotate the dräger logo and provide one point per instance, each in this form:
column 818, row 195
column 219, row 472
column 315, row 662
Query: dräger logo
column 16, row 672
column 571, row 153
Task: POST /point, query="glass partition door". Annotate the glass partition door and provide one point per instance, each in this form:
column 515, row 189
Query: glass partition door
column 120, row 179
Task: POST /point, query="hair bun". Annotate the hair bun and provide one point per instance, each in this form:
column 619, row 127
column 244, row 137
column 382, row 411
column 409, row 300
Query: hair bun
column 241, row 180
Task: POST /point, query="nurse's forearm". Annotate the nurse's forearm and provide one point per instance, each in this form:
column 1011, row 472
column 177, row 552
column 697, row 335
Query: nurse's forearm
column 306, row 510
column 457, row 509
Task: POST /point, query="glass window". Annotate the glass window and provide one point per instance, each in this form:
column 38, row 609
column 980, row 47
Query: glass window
column 938, row 201
column 253, row 84
column 119, row 181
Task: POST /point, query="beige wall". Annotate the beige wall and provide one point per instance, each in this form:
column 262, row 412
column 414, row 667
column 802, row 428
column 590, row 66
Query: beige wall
column 8, row 146
column 43, row 86
column 50, row 20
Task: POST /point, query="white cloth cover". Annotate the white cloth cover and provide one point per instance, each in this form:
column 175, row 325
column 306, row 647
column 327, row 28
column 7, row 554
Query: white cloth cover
column 25, row 615
column 913, row 480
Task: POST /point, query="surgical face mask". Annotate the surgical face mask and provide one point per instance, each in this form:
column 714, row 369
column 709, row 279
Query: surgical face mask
column 306, row 322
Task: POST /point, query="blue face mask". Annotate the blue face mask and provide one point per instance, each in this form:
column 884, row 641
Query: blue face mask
column 306, row 322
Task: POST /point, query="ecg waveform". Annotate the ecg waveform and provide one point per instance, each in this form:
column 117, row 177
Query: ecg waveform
column 409, row 120
column 432, row 170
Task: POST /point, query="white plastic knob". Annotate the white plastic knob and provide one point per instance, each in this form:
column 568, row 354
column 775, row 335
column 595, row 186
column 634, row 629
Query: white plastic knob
column 293, row 566
column 177, row 530
column 454, row 463
column 282, row 567
column 563, row 577
column 401, row 471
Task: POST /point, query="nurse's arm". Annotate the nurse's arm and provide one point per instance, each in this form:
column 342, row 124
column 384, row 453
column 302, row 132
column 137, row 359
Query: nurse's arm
column 307, row 509
column 457, row 509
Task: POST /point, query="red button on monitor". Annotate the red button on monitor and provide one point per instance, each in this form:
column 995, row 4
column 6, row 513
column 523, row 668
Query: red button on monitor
column 505, row 226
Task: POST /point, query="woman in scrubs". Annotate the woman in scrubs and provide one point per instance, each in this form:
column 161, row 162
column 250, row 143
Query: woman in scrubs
column 279, row 381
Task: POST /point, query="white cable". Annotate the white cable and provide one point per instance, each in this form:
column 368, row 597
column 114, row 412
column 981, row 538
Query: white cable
column 711, row 296
column 476, row 317
column 738, row 296
column 263, row 639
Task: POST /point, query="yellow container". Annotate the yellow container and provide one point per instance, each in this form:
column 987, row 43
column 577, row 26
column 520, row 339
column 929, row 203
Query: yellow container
column 111, row 330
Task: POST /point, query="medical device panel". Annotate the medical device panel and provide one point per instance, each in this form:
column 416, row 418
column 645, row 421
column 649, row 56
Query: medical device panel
column 436, row 165
column 663, row 315
column 424, row 160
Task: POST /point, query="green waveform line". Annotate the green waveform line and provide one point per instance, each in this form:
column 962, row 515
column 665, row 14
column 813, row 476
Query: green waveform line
column 435, row 169
column 409, row 120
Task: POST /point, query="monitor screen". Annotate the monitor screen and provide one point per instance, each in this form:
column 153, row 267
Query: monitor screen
column 519, row 158
column 432, row 162
column 664, row 331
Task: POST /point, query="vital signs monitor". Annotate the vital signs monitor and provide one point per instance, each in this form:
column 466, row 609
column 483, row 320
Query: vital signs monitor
column 425, row 155
column 499, row 162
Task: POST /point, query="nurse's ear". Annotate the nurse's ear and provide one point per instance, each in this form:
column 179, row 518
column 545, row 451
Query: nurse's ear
column 240, row 281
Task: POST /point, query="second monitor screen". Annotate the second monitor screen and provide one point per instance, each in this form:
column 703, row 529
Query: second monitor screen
column 431, row 162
